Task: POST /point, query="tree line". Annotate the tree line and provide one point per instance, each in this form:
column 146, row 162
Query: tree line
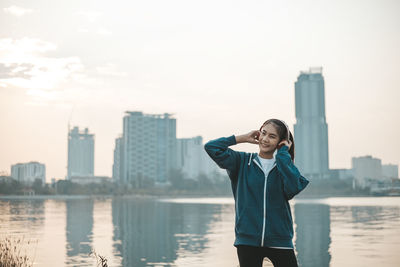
column 178, row 185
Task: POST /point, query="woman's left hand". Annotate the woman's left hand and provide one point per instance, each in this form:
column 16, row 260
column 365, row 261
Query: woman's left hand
column 285, row 143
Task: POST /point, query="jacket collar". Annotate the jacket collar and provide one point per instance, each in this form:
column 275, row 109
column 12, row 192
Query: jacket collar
column 256, row 160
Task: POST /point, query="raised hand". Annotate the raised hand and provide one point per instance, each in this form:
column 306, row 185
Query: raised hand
column 285, row 143
column 251, row 137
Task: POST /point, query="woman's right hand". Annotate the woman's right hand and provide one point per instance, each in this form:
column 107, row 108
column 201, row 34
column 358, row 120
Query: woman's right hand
column 251, row 137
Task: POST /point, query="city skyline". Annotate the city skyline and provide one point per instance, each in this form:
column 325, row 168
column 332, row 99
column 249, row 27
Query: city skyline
column 83, row 148
column 245, row 146
column 87, row 64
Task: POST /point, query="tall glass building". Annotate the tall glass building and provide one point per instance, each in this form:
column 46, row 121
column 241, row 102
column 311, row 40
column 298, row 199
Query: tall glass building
column 80, row 153
column 148, row 147
column 311, row 129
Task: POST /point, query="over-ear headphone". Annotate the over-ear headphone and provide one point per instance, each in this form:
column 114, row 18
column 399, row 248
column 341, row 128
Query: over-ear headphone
column 287, row 130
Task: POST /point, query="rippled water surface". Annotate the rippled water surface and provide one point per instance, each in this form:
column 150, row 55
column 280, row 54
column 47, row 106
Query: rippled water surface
column 199, row 232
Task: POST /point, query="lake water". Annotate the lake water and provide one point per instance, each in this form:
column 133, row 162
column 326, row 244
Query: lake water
column 198, row 232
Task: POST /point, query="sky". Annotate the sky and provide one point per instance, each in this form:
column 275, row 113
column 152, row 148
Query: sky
column 221, row 67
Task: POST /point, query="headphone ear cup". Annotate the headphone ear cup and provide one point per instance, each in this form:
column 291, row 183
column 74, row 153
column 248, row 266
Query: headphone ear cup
column 287, row 130
column 287, row 133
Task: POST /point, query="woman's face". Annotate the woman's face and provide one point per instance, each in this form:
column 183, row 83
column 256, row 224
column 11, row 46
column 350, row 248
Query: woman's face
column 268, row 139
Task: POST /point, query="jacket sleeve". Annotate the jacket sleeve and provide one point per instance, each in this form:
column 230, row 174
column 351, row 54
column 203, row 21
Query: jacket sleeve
column 293, row 181
column 225, row 157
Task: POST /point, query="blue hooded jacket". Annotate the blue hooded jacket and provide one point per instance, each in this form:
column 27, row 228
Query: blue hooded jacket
column 263, row 216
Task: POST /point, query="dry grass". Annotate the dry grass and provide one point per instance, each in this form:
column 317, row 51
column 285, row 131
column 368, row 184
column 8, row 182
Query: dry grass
column 101, row 260
column 13, row 252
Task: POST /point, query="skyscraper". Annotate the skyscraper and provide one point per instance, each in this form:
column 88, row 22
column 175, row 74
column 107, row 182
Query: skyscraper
column 80, row 153
column 311, row 129
column 148, row 148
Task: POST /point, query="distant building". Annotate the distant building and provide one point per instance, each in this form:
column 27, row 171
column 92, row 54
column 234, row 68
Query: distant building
column 148, row 148
column 366, row 170
column 311, row 129
column 80, row 153
column 5, row 179
column 89, row 179
column 192, row 158
column 390, row 171
column 29, row 172
column 189, row 156
column 342, row 174
column 116, row 174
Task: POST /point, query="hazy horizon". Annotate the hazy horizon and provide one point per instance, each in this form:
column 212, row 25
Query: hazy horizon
column 221, row 68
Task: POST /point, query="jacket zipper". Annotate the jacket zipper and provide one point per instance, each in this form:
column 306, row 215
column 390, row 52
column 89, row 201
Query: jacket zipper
column 265, row 198
column 265, row 210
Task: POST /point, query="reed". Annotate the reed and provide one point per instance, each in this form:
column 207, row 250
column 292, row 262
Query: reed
column 101, row 260
column 13, row 252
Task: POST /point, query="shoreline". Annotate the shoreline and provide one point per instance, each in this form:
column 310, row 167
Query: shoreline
column 148, row 196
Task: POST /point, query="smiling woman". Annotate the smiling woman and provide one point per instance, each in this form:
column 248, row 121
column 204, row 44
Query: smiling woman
column 262, row 185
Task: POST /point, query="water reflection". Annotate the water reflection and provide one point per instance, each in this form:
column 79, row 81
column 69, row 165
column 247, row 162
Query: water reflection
column 79, row 231
column 312, row 234
column 27, row 214
column 366, row 235
column 150, row 233
column 336, row 232
column 26, row 209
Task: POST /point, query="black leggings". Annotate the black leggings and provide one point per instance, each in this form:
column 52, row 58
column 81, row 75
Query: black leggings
column 253, row 256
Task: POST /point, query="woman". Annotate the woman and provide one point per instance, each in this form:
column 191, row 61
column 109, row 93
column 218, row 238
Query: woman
column 262, row 184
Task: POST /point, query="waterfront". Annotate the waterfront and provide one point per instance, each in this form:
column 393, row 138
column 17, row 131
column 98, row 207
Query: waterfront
column 197, row 231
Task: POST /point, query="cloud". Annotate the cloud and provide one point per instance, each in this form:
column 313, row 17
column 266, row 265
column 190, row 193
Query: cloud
column 15, row 70
column 50, row 80
column 83, row 30
column 103, row 31
column 110, row 70
column 100, row 31
column 24, row 64
column 17, row 11
column 22, row 48
column 91, row 16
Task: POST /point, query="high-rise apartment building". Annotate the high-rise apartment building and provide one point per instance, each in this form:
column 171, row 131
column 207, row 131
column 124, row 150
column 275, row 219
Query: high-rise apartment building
column 311, row 129
column 29, row 172
column 148, row 147
column 80, row 153
column 192, row 159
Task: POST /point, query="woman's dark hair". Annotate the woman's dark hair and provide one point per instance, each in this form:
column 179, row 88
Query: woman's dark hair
column 282, row 130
